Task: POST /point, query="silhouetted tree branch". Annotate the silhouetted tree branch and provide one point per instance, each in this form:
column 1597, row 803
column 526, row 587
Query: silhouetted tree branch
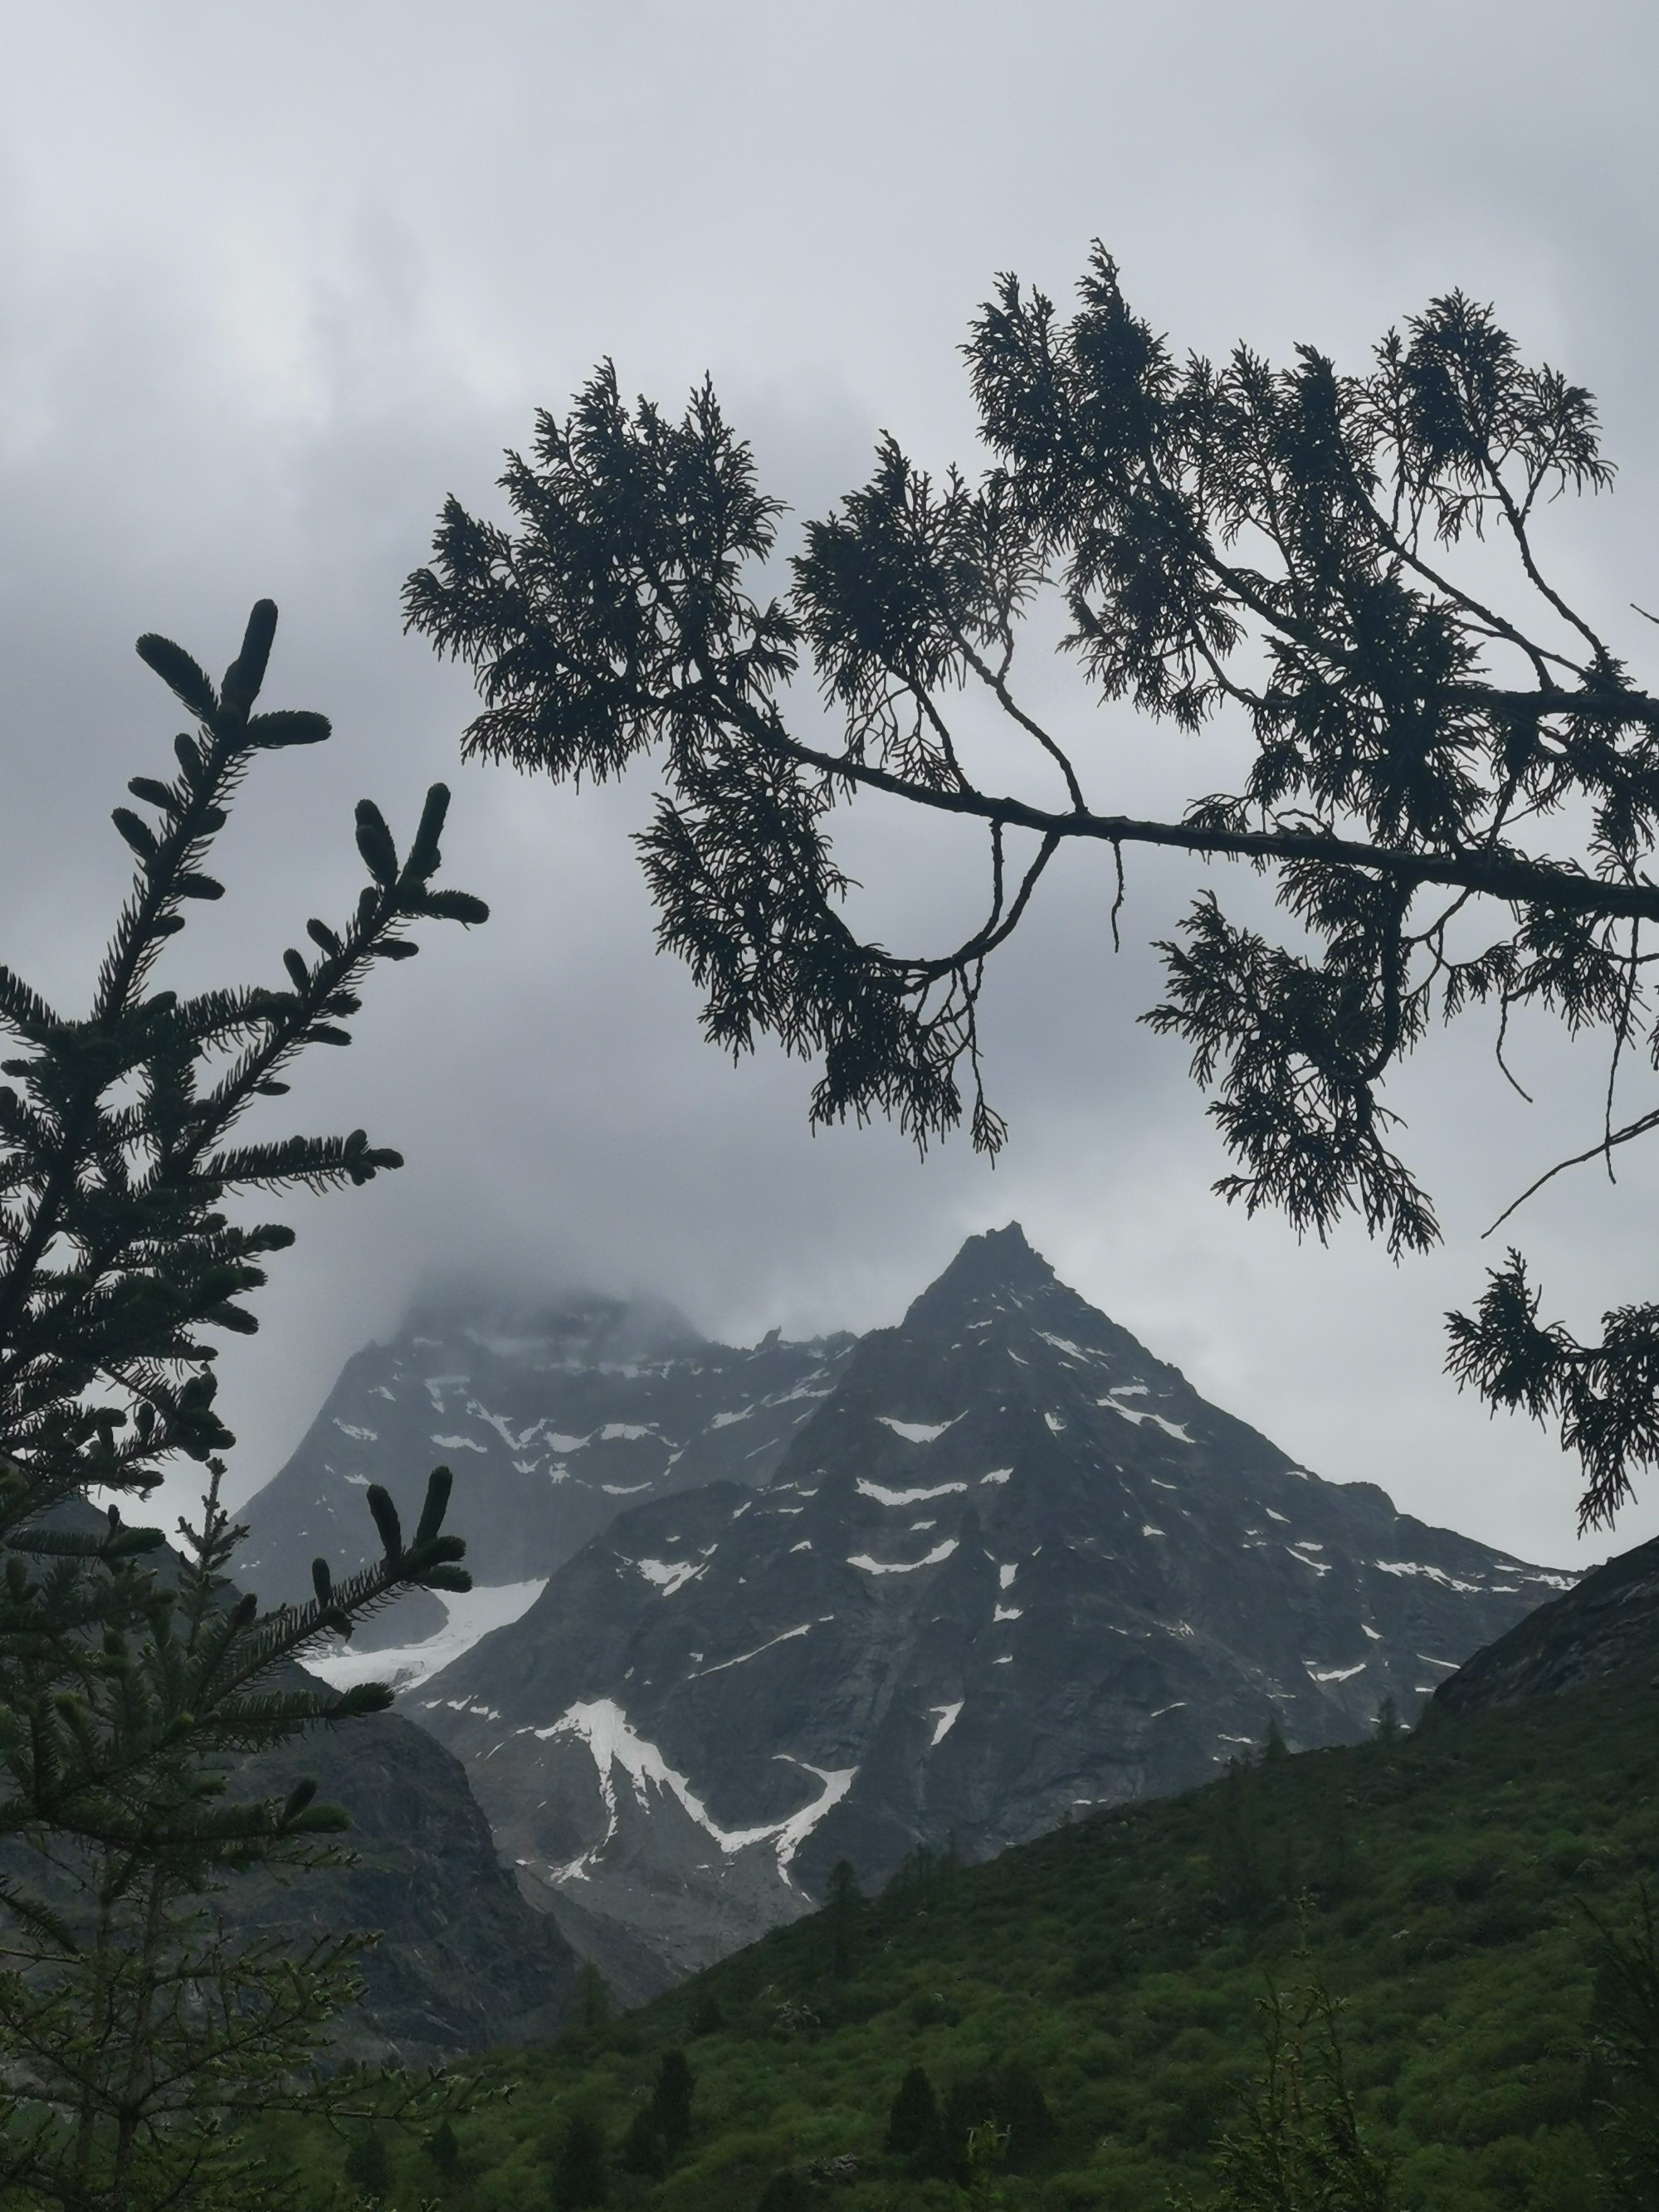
column 1283, row 544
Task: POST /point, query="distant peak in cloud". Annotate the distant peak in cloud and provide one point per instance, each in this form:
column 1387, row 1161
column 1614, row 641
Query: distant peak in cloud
column 584, row 1325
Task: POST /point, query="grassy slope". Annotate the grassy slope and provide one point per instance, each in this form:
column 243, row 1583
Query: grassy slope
column 1439, row 1886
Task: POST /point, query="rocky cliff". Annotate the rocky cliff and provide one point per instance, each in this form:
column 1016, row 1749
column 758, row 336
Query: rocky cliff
column 464, row 1963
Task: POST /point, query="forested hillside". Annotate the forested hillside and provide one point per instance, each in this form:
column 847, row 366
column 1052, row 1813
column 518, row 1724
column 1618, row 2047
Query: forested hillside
column 1098, row 1993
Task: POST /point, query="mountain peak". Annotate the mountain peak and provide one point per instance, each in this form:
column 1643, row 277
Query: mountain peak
column 996, row 1259
column 1010, row 1564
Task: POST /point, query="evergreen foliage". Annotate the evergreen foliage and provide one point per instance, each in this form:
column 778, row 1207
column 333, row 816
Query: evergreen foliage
column 1300, row 2147
column 366, row 2167
column 643, row 2149
column 671, row 2101
column 140, row 2032
column 442, row 2148
column 914, row 2130
column 785, row 2192
column 841, row 1914
column 1348, row 563
column 1624, row 2089
column 1007, row 2100
column 580, row 2175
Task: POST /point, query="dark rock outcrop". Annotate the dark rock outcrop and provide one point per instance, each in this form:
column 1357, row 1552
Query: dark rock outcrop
column 1608, row 1623
column 464, row 1963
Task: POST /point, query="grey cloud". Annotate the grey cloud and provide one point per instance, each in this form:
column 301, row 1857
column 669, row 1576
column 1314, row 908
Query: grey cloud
column 269, row 289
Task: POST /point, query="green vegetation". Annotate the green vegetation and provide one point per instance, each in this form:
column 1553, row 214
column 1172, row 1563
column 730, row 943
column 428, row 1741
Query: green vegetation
column 1080, row 2022
column 138, row 2028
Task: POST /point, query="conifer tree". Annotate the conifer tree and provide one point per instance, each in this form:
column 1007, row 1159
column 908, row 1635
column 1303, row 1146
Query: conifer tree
column 643, row 2150
column 1623, row 2083
column 841, row 1904
column 1452, row 779
column 443, row 2149
column 671, row 2100
column 914, row 2128
column 139, row 2030
column 581, row 2178
column 368, row 2169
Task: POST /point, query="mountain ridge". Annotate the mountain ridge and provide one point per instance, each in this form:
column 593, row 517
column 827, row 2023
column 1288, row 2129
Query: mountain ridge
column 1012, row 1566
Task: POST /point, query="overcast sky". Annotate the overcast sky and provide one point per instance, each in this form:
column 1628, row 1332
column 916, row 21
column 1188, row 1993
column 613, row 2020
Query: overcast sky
column 274, row 280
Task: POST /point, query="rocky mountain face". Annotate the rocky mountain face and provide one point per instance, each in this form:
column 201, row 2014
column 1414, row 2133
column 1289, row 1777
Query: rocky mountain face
column 464, row 1963
column 1011, row 1566
column 552, row 1421
column 1608, row 1623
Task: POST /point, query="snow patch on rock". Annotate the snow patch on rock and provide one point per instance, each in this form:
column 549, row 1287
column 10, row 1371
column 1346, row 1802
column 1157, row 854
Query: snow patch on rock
column 918, row 1432
column 1416, row 1567
column 1175, row 1429
column 468, row 1615
column 603, row 1727
column 721, row 1665
column 903, row 1566
column 884, row 1496
column 668, row 1574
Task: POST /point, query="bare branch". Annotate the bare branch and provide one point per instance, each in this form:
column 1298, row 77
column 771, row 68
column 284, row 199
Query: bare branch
column 1595, row 1152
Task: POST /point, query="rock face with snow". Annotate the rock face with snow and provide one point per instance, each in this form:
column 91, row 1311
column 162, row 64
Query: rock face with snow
column 1011, row 1565
column 552, row 1422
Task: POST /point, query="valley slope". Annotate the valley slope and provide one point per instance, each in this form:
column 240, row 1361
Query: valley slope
column 1448, row 1889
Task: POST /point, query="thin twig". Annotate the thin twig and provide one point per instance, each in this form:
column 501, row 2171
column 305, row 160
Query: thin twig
column 1603, row 1144
column 1621, row 1032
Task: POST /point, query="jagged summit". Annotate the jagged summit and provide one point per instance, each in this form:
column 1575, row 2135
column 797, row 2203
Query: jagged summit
column 997, row 1261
